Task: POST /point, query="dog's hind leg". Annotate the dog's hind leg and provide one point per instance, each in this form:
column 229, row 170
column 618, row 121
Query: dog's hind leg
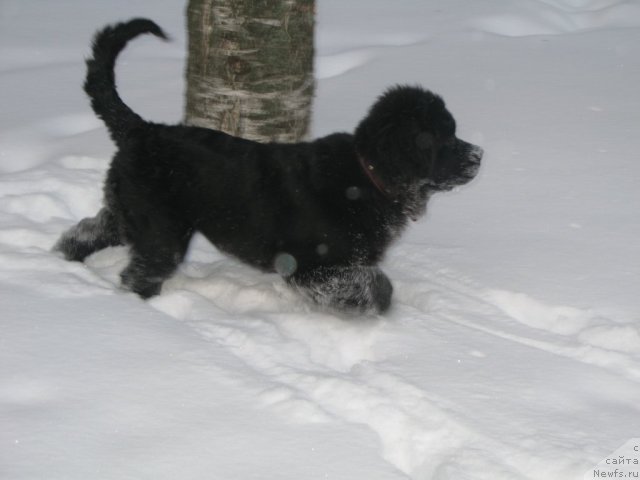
column 360, row 289
column 153, row 260
column 89, row 236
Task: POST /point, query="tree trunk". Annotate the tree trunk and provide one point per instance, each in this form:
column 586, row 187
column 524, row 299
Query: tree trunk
column 250, row 67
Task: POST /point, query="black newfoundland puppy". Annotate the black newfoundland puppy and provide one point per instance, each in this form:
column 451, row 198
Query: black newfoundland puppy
column 321, row 214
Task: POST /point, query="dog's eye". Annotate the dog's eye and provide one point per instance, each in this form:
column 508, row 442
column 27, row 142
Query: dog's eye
column 424, row 140
column 449, row 141
column 449, row 128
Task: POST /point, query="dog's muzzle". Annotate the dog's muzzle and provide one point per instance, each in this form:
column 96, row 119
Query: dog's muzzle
column 471, row 157
column 476, row 152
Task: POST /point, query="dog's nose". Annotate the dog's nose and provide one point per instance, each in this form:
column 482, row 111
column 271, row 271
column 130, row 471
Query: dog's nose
column 476, row 152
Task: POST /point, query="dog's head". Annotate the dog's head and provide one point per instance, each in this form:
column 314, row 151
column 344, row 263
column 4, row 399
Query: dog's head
column 408, row 142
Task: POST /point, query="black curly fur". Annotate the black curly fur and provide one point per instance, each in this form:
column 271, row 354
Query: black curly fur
column 319, row 213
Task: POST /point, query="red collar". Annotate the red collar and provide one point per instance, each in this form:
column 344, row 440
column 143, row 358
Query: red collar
column 369, row 171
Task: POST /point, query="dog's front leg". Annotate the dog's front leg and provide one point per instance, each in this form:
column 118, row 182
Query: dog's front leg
column 360, row 289
column 151, row 263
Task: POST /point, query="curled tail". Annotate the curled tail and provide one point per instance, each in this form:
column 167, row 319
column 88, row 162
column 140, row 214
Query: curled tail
column 100, row 83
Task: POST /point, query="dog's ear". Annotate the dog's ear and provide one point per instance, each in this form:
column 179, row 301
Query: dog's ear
column 397, row 147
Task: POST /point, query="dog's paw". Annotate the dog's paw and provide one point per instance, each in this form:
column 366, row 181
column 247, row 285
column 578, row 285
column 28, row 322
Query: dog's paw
column 134, row 281
column 88, row 236
column 381, row 292
column 71, row 248
column 359, row 289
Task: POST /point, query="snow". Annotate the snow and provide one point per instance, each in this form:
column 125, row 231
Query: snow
column 512, row 350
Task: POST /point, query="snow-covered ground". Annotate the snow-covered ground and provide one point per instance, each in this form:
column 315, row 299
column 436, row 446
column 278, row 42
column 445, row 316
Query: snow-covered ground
column 512, row 350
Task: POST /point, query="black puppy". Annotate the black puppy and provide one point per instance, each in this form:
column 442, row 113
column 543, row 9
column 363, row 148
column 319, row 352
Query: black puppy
column 321, row 214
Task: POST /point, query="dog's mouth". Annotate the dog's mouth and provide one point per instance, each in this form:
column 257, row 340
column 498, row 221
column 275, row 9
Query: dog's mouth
column 472, row 156
column 475, row 153
column 472, row 166
column 475, row 156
